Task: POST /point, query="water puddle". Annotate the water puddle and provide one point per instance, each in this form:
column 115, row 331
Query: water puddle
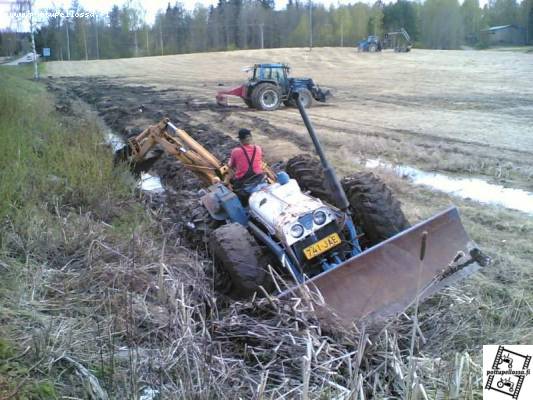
column 148, row 182
column 115, row 141
column 467, row 188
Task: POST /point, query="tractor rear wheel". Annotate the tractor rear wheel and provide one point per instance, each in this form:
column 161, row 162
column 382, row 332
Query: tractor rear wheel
column 240, row 263
column 374, row 208
column 307, row 171
column 372, row 48
column 266, row 97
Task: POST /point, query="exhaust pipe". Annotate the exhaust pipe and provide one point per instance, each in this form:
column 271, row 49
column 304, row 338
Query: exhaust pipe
column 338, row 194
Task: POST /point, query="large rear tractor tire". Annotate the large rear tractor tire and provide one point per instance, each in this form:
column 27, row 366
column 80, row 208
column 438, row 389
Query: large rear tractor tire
column 374, row 208
column 240, row 263
column 266, row 97
column 307, row 171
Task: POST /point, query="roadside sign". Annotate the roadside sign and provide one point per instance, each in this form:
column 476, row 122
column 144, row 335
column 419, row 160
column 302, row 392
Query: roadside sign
column 46, row 51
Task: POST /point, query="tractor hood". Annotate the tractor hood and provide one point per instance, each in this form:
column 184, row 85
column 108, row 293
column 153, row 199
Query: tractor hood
column 280, row 207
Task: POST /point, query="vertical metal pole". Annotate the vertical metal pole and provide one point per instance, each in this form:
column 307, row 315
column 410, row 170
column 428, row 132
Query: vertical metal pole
column 261, row 30
column 342, row 33
column 332, row 181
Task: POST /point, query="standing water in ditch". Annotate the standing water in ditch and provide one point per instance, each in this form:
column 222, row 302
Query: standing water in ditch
column 148, row 182
column 467, row 188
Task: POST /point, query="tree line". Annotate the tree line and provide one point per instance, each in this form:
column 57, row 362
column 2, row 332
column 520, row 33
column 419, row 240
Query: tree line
column 252, row 24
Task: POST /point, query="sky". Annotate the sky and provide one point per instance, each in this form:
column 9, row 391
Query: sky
column 104, row 6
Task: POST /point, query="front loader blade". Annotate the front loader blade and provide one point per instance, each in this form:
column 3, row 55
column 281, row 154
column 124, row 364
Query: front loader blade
column 384, row 280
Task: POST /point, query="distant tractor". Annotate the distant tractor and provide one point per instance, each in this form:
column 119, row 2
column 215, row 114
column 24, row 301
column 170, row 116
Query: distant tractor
column 399, row 40
column 371, row 44
column 269, row 85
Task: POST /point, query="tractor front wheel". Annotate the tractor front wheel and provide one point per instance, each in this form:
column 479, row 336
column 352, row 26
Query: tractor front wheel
column 306, row 98
column 240, row 263
column 266, row 97
column 374, row 208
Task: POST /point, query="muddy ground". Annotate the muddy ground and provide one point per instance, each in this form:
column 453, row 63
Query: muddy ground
column 461, row 112
column 490, row 305
column 466, row 113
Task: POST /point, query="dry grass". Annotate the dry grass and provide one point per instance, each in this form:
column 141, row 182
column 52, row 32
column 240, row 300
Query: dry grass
column 121, row 318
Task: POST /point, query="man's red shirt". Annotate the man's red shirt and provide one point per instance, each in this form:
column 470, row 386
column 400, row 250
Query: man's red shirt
column 239, row 162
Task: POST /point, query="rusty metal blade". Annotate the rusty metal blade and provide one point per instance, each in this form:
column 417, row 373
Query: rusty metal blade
column 385, row 279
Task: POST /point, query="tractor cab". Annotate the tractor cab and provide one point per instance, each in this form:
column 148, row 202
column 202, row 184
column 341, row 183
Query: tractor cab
column 270, row 72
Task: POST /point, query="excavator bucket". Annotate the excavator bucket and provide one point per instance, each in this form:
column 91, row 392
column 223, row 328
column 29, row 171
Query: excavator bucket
column 386, row 279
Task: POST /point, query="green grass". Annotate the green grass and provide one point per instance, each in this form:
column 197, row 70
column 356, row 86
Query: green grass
column 45, row 161
column 57, row 183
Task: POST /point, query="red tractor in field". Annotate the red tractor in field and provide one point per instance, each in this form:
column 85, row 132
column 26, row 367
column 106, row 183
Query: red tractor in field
column 269, row 85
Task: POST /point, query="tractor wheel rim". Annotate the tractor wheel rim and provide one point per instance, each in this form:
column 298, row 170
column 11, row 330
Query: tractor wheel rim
column 269, row 98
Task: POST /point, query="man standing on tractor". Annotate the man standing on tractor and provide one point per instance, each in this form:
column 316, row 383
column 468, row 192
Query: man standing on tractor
column 246, row 162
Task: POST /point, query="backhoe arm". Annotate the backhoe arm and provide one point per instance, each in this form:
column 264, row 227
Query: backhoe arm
column 178, row 143
column 189, row 152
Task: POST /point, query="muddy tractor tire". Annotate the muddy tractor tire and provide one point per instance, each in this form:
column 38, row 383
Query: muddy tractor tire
column 374, row 208
column 305, row 95
column 240, row 263
column 372, row 47
column 266, row 97
column 199, row 226
column 307, row 171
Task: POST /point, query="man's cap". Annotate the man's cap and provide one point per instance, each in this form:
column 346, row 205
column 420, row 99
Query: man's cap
column 243, row 133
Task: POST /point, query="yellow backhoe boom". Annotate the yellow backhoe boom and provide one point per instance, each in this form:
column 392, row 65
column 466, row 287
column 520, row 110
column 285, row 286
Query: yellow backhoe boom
column 178, row 143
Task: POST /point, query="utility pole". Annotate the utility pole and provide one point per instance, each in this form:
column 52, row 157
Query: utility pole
column 84, row 35
column 35, row 67
column 310, row 25
column 342, row 33
column 96, row 36
column 161, row 37
column 261, row 30
column 68, row 39
column 147, row 48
